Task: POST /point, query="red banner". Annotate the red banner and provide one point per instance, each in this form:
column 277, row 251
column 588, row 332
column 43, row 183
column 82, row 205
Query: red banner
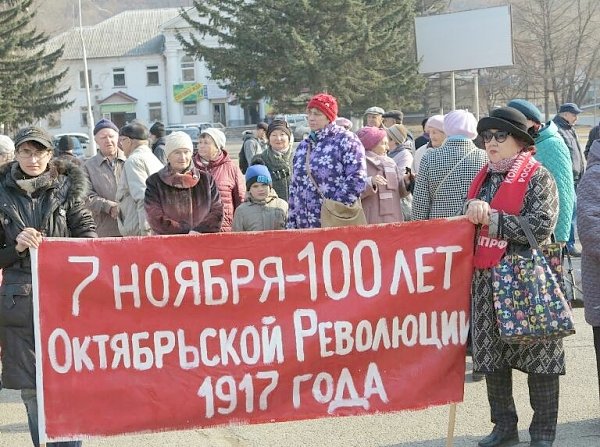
column 175, row 332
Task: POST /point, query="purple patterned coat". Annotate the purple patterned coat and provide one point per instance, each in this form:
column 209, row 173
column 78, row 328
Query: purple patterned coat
column 337, row 163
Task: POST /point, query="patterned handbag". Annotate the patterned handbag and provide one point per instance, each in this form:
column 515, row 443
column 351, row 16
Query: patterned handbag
column 530, row 305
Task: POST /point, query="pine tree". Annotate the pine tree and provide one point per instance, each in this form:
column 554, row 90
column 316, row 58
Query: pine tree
column 361, row 51
column 28, row 78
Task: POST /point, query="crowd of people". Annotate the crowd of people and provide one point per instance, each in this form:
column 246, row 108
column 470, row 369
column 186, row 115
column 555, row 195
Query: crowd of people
column 143, row 183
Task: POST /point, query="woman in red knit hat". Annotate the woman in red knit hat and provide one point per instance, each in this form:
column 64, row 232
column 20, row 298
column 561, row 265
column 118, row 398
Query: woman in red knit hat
column 336, row 159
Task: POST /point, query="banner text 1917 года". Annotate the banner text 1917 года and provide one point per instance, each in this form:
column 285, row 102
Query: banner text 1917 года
column 176, row 332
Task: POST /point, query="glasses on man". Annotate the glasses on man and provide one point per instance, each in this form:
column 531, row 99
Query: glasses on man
column 29, row 153
column 500, row 135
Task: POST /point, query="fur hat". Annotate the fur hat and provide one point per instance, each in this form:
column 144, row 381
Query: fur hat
column 33, row 133
column 217, row 136
column 460, row 122
column 105, row 124
column 398, row 133
column 6, row 145
column 528, row 109
column 326, row 104
column 508, row 119
column 370, row 136
column 158, row 129
column 135, row 131
column 279, row 125
column 258, row 172
column 436, row 121
column 177, row 140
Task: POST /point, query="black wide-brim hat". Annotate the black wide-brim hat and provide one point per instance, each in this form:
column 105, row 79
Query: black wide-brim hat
column 508, row 119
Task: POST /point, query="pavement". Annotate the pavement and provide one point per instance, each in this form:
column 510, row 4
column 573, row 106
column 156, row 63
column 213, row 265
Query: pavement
column 578, row 422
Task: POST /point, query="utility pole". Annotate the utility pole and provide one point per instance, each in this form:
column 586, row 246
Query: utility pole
column 91, row 149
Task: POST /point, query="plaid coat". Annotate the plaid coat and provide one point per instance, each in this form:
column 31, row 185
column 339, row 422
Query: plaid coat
column 438, row 194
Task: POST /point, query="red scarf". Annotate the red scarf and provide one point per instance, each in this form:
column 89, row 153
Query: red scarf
column 508, row 199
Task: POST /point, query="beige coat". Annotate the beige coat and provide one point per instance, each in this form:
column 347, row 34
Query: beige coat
column 140, row 165
column 103, row 180
column 381, row 204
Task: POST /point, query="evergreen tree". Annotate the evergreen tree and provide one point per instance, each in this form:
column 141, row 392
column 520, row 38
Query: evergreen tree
column 28, row 79
column 361, row 51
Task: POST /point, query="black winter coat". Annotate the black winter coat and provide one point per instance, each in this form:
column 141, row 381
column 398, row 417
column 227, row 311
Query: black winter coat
column 56, row 208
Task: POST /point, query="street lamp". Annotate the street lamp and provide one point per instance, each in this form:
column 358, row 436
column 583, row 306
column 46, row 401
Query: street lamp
column 91, row 148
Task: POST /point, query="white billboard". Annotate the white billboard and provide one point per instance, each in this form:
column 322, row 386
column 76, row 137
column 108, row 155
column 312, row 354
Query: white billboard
column 465, row 40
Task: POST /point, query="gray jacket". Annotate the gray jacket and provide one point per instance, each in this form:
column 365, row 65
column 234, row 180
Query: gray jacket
column 103, row 178
column 567, row 132
column 588, row 227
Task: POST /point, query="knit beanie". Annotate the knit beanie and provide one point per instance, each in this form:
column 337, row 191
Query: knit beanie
column 217, row 136
column 528, row 109
column 436, row 121
column 65, row 144
column 135, row 131
column 326, row 104
column 370, row 136
column 460, row 122
column 178, row 140
column 105, row 124
column 398, row 133
column 6, row 145
column 279, row 125
column 257, row 173
column 158, row 129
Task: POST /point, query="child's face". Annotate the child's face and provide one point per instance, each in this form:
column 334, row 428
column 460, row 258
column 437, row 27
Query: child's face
column 259, row 191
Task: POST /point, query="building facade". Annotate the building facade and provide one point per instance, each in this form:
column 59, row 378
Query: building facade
column 138, row 70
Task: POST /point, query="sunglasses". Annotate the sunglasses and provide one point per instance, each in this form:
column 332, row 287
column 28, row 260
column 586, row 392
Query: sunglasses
column 500, row 135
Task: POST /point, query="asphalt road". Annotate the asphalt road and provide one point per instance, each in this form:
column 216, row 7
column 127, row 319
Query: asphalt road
column 579, row 418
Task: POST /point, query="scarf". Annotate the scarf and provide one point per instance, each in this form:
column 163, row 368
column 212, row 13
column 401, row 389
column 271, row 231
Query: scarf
column 182, row 180
column 508, row 199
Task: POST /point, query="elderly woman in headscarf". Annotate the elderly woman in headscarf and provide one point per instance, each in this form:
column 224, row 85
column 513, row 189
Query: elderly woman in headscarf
column 278, row 157
column 214, row 159
column 400, row 146
column 435, row 129
column 336, row 159
column 497, row 203
column 385, row 181
column 7, row 150
column 180, row 198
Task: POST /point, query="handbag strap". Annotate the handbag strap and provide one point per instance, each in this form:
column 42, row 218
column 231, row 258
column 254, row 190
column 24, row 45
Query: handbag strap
column 309, row 173
column 450, row 173
column 527, row 230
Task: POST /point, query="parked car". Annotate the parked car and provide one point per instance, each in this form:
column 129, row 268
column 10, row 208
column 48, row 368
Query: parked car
column 301, row 130
column 79, row 149
column 193, row 132
column 201, row 126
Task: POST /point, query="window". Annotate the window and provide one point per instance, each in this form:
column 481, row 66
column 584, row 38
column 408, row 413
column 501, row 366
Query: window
column 154, row 111
column 84, row 116
column 188, row 72
column 152, row 75
column 54, row 120
column 119, row 77
column 82, row 78
column 190, row 108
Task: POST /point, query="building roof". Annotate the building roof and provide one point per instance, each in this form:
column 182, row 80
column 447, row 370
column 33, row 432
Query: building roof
column 130, row 33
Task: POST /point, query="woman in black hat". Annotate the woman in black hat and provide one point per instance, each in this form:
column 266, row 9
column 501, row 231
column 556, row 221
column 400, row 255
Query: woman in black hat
column 513, row 184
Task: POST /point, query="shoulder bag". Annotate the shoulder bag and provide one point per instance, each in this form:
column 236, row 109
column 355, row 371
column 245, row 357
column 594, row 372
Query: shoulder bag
column 530, row 305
